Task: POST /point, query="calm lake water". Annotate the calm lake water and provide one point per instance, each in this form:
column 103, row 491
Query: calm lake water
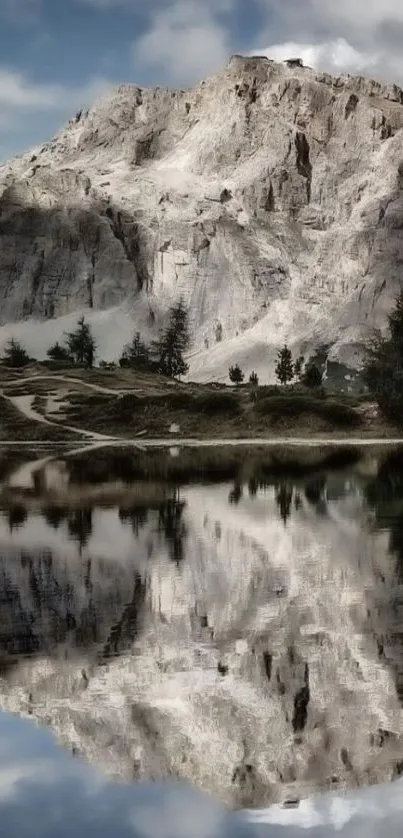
column 239, row 625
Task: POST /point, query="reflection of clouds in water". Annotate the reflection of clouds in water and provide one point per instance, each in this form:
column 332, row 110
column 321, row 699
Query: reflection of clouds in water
column 44, row 793
column 295, row 591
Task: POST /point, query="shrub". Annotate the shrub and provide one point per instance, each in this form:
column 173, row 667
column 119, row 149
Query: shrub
column 336, row 413
column 15, row 355
column 236, row 375
column 312, row 376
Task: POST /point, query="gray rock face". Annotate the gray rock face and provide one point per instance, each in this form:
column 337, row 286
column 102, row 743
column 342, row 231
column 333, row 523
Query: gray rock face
column 269, row 196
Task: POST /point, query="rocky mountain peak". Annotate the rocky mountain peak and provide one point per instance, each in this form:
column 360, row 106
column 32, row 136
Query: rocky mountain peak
column 268, row 195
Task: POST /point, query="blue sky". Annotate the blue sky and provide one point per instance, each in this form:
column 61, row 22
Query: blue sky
column 57, row 55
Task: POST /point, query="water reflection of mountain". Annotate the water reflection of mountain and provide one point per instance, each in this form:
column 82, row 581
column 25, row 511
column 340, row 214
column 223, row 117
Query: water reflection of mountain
column 57, row 600
column 236, row 635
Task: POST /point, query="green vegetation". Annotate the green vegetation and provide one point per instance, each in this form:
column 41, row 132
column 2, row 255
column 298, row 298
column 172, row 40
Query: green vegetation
column 285, row 367
column 173, row 343
column 166, row 355
column 383, row 369
column 236, row 375
column 311, row 377
column 136, row 354
column 296, row 405
column 59, row 354
column 15, row 355
column 15, row 426
column 80, row 347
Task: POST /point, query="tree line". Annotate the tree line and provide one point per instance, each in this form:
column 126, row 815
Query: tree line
column 164, row 355
column 382, row 370
column 286, row 370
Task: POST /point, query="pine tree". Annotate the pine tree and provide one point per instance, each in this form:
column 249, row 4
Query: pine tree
column 254, row 379
column 15, row 355
column 135, row 354
column 312, row 376
column 81, row 344
column 57, row 352
column 383, row 368
column 173, row 343
column 298, row 366
column 285, row 367
column 236, row 375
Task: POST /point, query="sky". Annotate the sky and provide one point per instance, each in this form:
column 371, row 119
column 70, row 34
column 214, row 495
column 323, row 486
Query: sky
column 59, row 55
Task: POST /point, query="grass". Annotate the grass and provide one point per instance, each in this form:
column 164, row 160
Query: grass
column 335, row 413
column 15, row 426
column 146, row 403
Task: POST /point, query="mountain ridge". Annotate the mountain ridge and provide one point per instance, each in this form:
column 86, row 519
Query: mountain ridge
column 269, row 196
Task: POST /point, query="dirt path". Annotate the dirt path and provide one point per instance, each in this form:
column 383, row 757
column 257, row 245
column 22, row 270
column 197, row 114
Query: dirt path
column 68, row 380
column 24, row 405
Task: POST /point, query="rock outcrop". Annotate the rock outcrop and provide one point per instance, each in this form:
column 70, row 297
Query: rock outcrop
column 269, row 196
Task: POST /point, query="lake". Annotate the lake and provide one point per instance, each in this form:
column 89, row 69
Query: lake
column 232, row 618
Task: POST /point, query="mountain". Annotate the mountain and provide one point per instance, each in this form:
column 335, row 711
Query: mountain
column 205, row 640
column 269, row 196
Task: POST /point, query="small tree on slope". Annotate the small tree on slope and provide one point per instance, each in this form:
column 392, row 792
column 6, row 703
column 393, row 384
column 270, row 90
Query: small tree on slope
column 15, row 355
column 312, row 376
column 81, row 344
column 57, row 352
column 383, row 368
column 136, row 354
column 285, row 368
column 173, row 343
column 236, row 375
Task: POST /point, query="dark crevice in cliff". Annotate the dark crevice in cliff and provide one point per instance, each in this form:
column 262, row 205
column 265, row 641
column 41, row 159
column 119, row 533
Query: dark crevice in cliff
column 304, row 164
column 301, row 702
column 126, row 232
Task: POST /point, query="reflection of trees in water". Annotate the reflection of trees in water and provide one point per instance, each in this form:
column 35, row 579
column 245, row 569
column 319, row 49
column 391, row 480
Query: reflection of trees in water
column 79, row 523
column 137, row 516
column 384, row 496
column 171, row 524
column 315, row 491
column 235, row 494
column 54, row 516
column 17, row 516
column 284, row 493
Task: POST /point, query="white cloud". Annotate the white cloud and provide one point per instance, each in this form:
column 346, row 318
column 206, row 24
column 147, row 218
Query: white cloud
column 334, row 56
column 186, row 41
column 362, row 36
column 19, row 94
column 20, row 97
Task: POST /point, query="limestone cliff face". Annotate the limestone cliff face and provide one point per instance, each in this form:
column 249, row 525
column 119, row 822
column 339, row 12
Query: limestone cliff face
column 269, row 196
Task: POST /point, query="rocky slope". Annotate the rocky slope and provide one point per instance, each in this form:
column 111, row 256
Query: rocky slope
column 208, row 640
column 269, row 196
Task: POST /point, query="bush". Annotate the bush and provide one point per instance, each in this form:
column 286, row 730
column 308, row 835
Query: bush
column 15, row 355
column 383, row 369
column 312, row 376
column 215, row 403
column 336, row 413
column 236, row 375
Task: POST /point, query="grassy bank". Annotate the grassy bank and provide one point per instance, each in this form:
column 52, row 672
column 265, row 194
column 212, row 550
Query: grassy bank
column 126, row 404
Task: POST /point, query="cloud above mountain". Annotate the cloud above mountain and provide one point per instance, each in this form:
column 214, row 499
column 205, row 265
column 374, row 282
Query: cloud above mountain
column 56, row 55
